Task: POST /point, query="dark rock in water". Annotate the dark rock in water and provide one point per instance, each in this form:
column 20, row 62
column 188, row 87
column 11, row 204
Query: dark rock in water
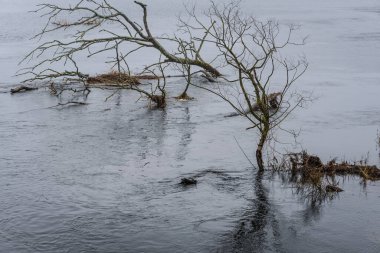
column 332, row 188
column 188, row 181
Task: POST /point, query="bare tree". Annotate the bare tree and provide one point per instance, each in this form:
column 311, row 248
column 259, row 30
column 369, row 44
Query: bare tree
column 88, row 16
column 92, row 15
column 253, row 50
column 260, row 90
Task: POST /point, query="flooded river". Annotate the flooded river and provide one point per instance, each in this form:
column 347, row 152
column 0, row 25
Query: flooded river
column 104, row 177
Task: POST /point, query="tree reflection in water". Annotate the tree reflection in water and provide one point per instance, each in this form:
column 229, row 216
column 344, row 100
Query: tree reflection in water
column 259, row 230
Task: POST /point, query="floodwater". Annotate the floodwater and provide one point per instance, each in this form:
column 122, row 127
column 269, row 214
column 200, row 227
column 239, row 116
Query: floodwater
column 104, row 177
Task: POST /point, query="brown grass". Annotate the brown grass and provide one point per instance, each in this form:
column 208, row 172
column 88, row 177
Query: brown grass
column 184, row 97
column 115, row 78
column 315, row 181
column 305, row 163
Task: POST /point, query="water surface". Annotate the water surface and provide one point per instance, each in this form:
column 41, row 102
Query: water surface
column 104, row 177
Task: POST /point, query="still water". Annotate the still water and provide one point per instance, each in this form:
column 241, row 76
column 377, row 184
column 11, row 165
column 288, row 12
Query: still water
column 104, row 177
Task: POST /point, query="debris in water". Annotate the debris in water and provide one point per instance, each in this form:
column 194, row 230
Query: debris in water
column 22, row 88
column 308, row 164
column 188, row 181
column 114, row 78
column 316, row 181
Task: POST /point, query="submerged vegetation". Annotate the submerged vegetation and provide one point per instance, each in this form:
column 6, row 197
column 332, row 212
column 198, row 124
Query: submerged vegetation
column 316, row 181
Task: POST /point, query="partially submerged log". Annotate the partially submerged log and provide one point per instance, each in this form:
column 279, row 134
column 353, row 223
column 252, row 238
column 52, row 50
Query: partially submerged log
column 22, row 88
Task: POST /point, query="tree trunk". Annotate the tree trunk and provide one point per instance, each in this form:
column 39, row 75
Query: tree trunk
column 259, row 150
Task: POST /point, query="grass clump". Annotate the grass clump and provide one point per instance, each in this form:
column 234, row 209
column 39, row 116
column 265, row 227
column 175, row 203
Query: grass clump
column 113, row 78
column 316, row 181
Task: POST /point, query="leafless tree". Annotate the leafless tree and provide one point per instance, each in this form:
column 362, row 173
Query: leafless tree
column 88, row 16
column 260, row 90
column 253, row 50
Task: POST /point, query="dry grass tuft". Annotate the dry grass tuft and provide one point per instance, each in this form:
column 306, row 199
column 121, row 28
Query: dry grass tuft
column 113, row 78
column 315, row 181
column 308, row 164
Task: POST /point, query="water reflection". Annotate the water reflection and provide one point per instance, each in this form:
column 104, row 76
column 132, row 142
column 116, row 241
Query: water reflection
column 185, row 130
column 263, row 227
column 259, row 230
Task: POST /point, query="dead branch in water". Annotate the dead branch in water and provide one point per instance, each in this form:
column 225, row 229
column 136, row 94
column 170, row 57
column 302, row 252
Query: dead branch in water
column 22, row 88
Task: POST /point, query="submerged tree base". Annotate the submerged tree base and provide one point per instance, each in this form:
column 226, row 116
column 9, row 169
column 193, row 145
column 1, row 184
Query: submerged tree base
column 159, row 100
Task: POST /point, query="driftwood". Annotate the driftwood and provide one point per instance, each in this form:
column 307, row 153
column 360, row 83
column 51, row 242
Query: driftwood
column 22, row 88
column 273, row 100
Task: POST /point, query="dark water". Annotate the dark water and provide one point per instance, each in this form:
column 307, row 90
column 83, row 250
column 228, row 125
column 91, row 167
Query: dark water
column 104, row 177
